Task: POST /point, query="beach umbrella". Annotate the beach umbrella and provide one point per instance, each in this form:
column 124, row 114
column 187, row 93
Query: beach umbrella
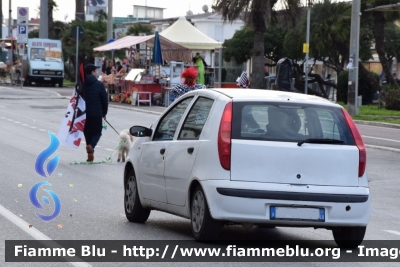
column 157, row 55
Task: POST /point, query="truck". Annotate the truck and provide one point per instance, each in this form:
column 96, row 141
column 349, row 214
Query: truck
column 45, row 62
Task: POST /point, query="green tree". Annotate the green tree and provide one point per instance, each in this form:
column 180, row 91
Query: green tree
column 378, row 21
column 52, row 6
column 138, row 28
column 95, row 35
column 256, row 13
column 102, row 15
column 239, row 47
column 33, row 34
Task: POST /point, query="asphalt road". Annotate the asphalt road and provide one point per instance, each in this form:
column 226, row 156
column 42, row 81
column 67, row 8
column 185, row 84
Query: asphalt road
column 92, row 195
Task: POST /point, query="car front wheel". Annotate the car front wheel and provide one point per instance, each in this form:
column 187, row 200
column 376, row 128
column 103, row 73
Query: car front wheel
column 349, row 237
column 134, row 210
column 204, row 227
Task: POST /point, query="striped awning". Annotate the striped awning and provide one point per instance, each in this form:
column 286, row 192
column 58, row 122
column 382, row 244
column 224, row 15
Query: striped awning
column 170, row 50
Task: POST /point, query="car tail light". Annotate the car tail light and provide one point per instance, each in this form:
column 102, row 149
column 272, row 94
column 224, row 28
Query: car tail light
column 224, row 137
column 359, row 142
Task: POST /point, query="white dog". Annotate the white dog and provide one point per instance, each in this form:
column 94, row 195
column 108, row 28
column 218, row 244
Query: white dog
column 123, row 150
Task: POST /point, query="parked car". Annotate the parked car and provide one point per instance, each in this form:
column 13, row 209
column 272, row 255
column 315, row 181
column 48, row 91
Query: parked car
column 251, row 157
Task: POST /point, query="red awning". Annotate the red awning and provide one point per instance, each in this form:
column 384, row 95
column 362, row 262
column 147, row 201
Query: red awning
column 170, row 50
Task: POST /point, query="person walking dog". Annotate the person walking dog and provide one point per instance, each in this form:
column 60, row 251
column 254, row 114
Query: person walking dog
column 96, row 109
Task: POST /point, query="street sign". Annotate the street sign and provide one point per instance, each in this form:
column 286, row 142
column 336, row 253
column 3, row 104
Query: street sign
column 21, row 49
column 80, row 31
column 22, row 34
column 110, row 41
column 23, row 15
column 22, row 25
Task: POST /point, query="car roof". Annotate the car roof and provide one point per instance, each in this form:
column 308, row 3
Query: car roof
column 272, row 95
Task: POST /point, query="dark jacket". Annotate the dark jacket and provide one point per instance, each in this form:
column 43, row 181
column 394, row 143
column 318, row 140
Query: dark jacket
column 95, row 97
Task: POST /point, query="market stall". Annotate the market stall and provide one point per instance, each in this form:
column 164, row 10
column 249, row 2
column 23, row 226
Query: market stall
column 146, row 80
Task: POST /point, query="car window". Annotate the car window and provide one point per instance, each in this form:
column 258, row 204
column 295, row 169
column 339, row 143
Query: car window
column 277, row 122
column 196, row 119
column 167, row 127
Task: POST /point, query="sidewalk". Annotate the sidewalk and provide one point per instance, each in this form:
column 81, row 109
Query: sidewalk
column 157, row 110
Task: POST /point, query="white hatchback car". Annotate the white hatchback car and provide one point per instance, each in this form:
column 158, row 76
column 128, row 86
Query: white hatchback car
column 251, row 157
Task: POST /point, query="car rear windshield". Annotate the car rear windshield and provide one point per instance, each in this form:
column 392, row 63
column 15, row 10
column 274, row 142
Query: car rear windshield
column 288, row 122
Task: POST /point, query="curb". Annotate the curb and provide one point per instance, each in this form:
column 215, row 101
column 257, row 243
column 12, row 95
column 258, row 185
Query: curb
column 23, row 98
column 379, row 124
column 384, row 148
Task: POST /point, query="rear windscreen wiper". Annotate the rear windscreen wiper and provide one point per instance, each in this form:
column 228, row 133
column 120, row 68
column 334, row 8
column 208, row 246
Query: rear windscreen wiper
column 320, row 141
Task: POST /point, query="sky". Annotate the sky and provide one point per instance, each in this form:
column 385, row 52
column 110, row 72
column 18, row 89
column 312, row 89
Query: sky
column 121, row 8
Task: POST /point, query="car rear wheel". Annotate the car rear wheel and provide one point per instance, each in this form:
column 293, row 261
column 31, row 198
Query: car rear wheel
column 134, row 210
column 349, row 237
column 204, row 227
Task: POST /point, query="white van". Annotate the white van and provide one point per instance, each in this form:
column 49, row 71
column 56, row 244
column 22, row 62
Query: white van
column 45, row 62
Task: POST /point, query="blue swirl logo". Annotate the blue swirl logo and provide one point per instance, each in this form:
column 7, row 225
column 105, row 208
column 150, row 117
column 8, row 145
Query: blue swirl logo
column 51, row 166
column 45, row 154
column 35, row 201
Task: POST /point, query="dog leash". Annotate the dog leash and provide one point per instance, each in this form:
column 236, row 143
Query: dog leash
column 111, row 125
column 106, row 160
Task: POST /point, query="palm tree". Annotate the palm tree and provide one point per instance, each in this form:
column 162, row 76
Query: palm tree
column 136, row 29
column 80, row 10
column 256, row 14
column 51, row 6
column 101, row 14
column 381, row 19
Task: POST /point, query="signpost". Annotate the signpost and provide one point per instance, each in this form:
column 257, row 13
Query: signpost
column 112, row 51
column 77, row 33
column 22, row 24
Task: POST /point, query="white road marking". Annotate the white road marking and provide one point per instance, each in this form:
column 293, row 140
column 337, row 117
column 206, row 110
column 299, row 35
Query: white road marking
column 392, row 232
column 2, row 118
column 33, row 232
column 109, row 149
column 42, row 130
column 380, row 127
column 378, row 138
column 24, row 124
column 16, row 122
column 9, row 119
column 33, row 127
column 2, row 107
column 384, row 148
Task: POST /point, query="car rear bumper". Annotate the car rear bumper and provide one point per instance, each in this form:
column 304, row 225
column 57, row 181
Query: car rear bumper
column 250, row 202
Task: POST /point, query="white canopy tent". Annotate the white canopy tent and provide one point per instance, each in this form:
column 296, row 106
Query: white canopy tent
column 170, row 50
column 185, row 34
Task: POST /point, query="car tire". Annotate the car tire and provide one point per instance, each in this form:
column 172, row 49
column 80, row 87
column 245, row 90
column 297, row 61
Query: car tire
column 134, row 210
column 204, row 227
column 349, row 237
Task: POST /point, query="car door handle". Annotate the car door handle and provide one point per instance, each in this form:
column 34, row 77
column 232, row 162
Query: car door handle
column 190, row 150
column 162, row 151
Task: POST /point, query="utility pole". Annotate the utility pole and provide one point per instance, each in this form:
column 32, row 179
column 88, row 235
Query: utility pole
column 1, row 19
column 352, row 96
column 44, row 19
column 110, row 20
column 306, row 48
column 10, row 34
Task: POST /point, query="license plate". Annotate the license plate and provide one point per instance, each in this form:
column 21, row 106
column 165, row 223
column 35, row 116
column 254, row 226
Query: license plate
column 297, row 214
column 47, row 79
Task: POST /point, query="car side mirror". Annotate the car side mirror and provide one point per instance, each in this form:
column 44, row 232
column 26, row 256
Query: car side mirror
column 140, row 131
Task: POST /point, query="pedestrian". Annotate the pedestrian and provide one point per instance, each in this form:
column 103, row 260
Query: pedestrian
column 397, row 81
column 110, row 68
column 95, row 96
column 198, row 61
column 189, row 84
